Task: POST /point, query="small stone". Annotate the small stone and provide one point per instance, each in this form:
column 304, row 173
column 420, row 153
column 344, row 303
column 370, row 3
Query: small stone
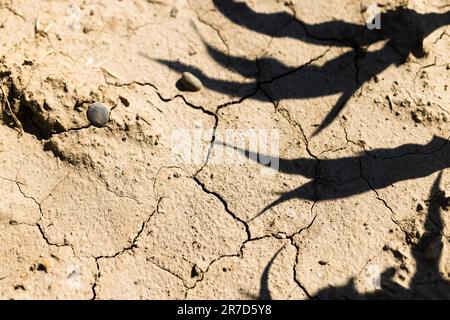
column 98, row 114
column 323, row 263
column 189, row 82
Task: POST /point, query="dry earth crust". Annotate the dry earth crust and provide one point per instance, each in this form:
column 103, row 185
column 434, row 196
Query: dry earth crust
column 356, row 210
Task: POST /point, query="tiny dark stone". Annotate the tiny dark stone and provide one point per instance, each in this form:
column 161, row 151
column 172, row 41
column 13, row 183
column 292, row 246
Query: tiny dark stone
column 322, row 263
column 98, row 114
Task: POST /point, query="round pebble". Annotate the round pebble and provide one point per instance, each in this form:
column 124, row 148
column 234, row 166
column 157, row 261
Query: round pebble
column 189, row 82
column 98, row 114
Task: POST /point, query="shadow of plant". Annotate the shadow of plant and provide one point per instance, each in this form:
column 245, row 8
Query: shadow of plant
column 403, row 31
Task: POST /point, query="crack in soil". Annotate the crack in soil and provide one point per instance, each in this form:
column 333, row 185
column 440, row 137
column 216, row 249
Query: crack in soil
column 132, row 246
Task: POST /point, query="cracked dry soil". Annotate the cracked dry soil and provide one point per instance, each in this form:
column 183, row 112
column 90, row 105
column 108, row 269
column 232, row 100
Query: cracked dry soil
column 356, row 210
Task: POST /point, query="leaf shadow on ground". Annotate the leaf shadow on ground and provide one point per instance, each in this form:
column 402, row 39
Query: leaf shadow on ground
column 427, row 281
column 403, row 31
column 402, row 34
column 333, row 179
column 384, row 167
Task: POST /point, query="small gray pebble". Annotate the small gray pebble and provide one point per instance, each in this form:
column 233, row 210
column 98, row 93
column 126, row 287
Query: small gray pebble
column 189, row 82
column 98, row 114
